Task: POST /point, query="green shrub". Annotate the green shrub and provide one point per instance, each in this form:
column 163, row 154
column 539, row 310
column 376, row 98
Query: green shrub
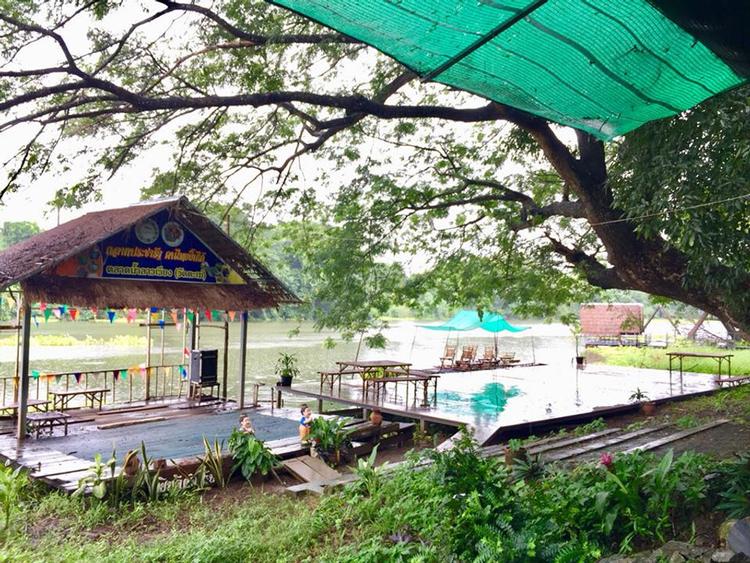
column 251, row 455
column 734, row 477
column 12, row 483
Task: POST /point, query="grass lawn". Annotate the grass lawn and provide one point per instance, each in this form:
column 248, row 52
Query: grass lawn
column 656, row 358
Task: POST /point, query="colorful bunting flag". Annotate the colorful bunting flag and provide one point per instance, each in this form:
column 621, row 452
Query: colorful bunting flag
column 154, row 310
column 115, row 375
column 94, row 310
column 35, row 373
column 161, row 324
column 77, row 375
column 207, row 313
column 185, row 352
column 63, row 309
column 232, row 314
column 131, row 315
column 73, row 313
column 111, row 316
column 42, row 306
column 47, row 313
column 191, row 317
column 57, row 313
column 58, row 378
column 173, row 314
column 36, row 320
column 123, row 374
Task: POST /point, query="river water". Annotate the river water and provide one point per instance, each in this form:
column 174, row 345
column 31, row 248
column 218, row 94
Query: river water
column 266, row 340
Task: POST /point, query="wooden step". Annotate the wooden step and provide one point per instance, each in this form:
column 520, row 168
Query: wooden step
column 600, row 444
column 310, row 469
column 677, row 436
column 556, row 445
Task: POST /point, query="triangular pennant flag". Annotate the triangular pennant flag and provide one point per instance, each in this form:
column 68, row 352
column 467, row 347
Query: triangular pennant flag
column 232, row 314
column 73, row 313
column 35, row 373
column 36, row 320
column 58, row 378
column 47, row 314
column 94, row 310
column 131, row 315
column 77, row 376
column 191, row 317
column 161, row 324
column 207, row 312
column 57, row 312
column 154, row 310
column 185, row 352
column 173, row 314
column 49, row 377
column 123, row 374
column 62, row 309
column 216, row 315
column 42, row 306
column 115, row 375
column 111, row 316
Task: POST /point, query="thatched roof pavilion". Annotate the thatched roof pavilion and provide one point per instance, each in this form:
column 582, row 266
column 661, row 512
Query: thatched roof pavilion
column 164, row 253
column 45, row 265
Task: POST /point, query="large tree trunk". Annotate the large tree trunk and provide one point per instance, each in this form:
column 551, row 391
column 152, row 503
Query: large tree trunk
column 644, row 264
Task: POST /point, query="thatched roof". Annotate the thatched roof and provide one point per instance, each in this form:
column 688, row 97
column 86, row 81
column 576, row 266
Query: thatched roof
column 32, row 262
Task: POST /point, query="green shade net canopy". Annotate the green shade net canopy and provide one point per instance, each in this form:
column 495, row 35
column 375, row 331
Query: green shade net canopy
column 469, row 320
column 603, row 66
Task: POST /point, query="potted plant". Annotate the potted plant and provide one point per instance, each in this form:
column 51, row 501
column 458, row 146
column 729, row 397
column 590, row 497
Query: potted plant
column 329, row 438
column 574, row 325
column 647, row 407
column 286, row 369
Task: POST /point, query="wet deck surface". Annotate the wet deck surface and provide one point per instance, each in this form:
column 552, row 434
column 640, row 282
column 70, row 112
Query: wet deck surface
column 179, row 434
column 489, row 399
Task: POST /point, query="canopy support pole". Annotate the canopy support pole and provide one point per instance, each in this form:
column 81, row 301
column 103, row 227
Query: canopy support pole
column 23, row 372
column 482, row 40
column 243, row 356
column 225, row 367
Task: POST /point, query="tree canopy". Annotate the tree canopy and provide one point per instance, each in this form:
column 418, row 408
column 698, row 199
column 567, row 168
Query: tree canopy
column 266, row 113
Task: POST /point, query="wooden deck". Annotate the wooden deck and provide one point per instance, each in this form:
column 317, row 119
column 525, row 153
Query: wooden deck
column 492, row 402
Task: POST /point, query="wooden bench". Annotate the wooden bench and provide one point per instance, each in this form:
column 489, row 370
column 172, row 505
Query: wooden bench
column 732, row 381
column 61, row 399
column 11, row 409
column 38, row 422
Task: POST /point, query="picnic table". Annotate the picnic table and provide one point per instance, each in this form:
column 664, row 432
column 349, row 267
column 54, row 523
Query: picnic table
column 12, row 408
column 61, row 399
column 718, row 357
column 38, row 422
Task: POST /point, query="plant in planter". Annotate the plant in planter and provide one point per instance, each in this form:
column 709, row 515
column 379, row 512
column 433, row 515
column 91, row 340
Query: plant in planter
column 330, row 439
column 574, row 325
column 647, row 407
column 286, row 369
column 251, row 456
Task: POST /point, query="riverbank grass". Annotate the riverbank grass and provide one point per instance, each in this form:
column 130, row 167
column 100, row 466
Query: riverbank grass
column 656, row 358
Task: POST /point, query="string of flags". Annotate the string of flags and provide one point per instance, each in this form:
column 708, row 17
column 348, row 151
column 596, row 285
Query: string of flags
column 117, row 374
column 155, row 315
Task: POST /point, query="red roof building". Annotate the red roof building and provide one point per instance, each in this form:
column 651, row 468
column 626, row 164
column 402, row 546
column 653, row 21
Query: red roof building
column 611, row 319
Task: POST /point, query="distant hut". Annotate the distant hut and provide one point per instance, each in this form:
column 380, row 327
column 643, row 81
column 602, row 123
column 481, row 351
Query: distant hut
column 611, row 321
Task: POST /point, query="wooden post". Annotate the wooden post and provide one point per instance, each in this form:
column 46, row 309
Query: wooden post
column 225, row 371
column 23, row 372
column 193, row 341
column 148, row 356
column 243, row 356
column 18, row 352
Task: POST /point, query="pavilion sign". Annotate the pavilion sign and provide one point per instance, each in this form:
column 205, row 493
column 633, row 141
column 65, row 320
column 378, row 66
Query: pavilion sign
column 159, row 248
